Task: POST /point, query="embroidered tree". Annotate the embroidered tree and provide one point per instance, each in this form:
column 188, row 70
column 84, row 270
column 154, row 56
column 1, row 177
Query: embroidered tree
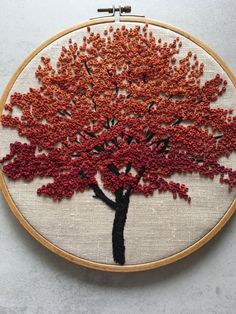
column 126, row 107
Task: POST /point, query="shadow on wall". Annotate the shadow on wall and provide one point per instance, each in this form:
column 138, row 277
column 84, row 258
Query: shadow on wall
column 113, row 280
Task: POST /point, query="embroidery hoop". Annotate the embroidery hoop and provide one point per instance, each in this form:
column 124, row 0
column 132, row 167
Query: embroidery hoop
column 96, row 265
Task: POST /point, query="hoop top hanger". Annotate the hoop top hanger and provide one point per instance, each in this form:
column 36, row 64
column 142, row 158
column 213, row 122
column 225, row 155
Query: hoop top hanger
column 120, row 10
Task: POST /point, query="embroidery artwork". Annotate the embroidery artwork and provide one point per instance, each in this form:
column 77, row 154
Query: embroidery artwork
column 120, row 114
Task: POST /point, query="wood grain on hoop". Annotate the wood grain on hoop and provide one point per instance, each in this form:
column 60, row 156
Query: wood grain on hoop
column 58, row 250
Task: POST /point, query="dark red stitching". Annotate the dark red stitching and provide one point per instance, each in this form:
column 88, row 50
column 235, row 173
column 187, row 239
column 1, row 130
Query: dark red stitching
column 117, row 105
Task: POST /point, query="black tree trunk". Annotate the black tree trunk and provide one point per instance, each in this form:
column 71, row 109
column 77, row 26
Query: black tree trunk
column 120, row 205
column 118, row 230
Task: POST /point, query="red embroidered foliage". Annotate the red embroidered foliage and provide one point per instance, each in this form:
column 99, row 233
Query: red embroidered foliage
column 126, row 106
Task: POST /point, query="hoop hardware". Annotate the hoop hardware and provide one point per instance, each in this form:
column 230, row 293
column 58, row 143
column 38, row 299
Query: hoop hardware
column 113, row 10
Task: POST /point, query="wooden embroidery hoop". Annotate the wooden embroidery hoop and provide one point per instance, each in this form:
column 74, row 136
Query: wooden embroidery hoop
column 73, row 258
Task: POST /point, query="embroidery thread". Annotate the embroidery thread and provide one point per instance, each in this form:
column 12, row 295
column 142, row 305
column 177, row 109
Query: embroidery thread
column 123, row 105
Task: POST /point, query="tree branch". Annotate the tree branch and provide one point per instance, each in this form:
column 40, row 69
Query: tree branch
column 113, row 169
column 102, row 196
column 117, row 88
column 128, row 191
column 218, row 136
column 94, row 103
column 87, row 68
column 64, row 113
column 165, row 142
column 119, row 194
column 129, row 139
column 98, row 148
column 91, row 134
column 149, row 135
column 177, row 121
column 128, row 168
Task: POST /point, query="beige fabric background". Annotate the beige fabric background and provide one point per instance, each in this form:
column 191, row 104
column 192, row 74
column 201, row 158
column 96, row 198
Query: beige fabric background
column 156, row 226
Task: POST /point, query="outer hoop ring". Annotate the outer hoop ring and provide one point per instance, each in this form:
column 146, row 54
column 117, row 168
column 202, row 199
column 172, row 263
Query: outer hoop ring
column 71, row 257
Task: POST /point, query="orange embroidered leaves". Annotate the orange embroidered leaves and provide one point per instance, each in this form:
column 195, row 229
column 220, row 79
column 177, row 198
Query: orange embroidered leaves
column 125, row 105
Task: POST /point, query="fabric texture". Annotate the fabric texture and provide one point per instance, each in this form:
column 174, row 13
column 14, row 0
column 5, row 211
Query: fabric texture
column 157, row 226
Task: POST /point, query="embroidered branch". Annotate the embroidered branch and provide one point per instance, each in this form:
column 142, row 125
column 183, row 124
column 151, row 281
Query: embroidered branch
column 126, row 106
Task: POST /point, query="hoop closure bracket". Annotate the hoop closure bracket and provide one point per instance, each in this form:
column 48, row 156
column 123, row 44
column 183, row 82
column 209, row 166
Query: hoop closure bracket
column 114, row 10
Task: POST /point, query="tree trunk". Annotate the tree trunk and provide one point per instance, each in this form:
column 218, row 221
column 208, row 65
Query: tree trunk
column 118, row 230
column 120, row 205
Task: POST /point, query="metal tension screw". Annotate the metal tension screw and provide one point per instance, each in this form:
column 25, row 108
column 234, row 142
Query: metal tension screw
column 125, row 9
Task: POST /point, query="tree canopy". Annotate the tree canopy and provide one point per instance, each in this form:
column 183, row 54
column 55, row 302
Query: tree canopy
column 123, row 104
